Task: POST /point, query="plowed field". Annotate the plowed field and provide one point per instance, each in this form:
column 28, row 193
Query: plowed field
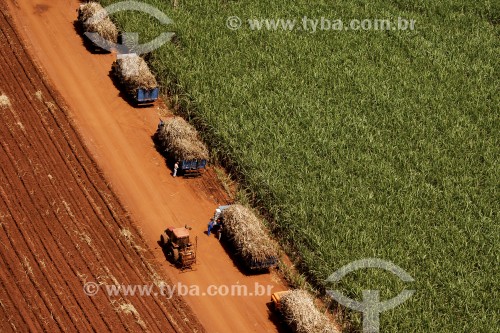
column 60, row 224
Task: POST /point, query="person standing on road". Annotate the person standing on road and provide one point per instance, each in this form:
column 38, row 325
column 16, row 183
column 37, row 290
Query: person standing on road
column 176, row 166
column 219, row 232
column 210, row 226
column 217, row 214
column 161, row 124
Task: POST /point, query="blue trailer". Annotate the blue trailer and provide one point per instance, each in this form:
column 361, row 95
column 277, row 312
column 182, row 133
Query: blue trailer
column 146, row 95
column 192, row 167
column 256, row 265
column 190, row 164
column 126, row 70
column 250, row 263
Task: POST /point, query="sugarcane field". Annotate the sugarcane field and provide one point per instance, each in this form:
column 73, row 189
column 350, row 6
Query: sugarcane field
column 268, row 167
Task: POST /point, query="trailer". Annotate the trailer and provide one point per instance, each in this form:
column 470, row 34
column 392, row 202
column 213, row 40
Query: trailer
column 262, row 265
column 132, row 74
column 226, row 235
column 179, row 143
column 192, row 168
column 99, row 34
column 144, row 95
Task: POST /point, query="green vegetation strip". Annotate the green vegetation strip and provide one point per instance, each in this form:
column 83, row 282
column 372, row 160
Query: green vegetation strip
column 358, row 143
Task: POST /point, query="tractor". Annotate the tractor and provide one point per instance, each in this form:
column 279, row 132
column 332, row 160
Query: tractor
column 276, row 299
column 176, row 243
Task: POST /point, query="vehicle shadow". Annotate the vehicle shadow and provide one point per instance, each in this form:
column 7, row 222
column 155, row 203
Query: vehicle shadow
column 169, row 160
column 167, row 256
column 87, row 43
column 277, row 319
column 237, row 261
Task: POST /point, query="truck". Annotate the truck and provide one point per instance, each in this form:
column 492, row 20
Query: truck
column 232, row 234
column 132, row 73
column 144, row 96
column 177, row 244
column 100, row 35
column 297, row 307
column 178, row 141
column 192, row 168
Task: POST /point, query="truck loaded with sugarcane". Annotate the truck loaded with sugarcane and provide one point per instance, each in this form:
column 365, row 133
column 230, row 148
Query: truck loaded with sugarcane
column 133, row 74
column 180, row 143
column 247, row 235
column 297, row 307
column 99, row 32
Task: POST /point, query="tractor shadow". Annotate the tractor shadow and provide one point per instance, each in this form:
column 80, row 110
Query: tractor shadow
column 167, row 256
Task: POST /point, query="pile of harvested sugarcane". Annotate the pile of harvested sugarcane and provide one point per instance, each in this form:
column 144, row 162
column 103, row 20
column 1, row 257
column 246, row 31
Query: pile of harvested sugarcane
column 248, row 234
column 133, row 73
column 302, row 315
column 94, row 18
column 179, row 138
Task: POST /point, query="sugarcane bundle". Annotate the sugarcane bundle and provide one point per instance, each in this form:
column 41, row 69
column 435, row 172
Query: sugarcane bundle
column 133, row 73
column 298, row 308
column 95, row 19
column 179, row 138
column 248, row 234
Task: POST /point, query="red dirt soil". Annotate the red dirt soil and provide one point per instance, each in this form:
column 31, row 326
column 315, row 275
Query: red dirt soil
column 60, row 224
column 119, row 136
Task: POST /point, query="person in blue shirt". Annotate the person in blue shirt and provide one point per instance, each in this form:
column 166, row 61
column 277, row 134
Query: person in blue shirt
column 210, row 226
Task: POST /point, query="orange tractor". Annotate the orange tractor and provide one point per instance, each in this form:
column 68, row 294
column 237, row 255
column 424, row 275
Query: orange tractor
column 276, row 298
column 178, row 246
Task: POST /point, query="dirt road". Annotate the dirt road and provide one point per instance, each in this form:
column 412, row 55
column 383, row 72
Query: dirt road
column 60, row 224
column 119, row 136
